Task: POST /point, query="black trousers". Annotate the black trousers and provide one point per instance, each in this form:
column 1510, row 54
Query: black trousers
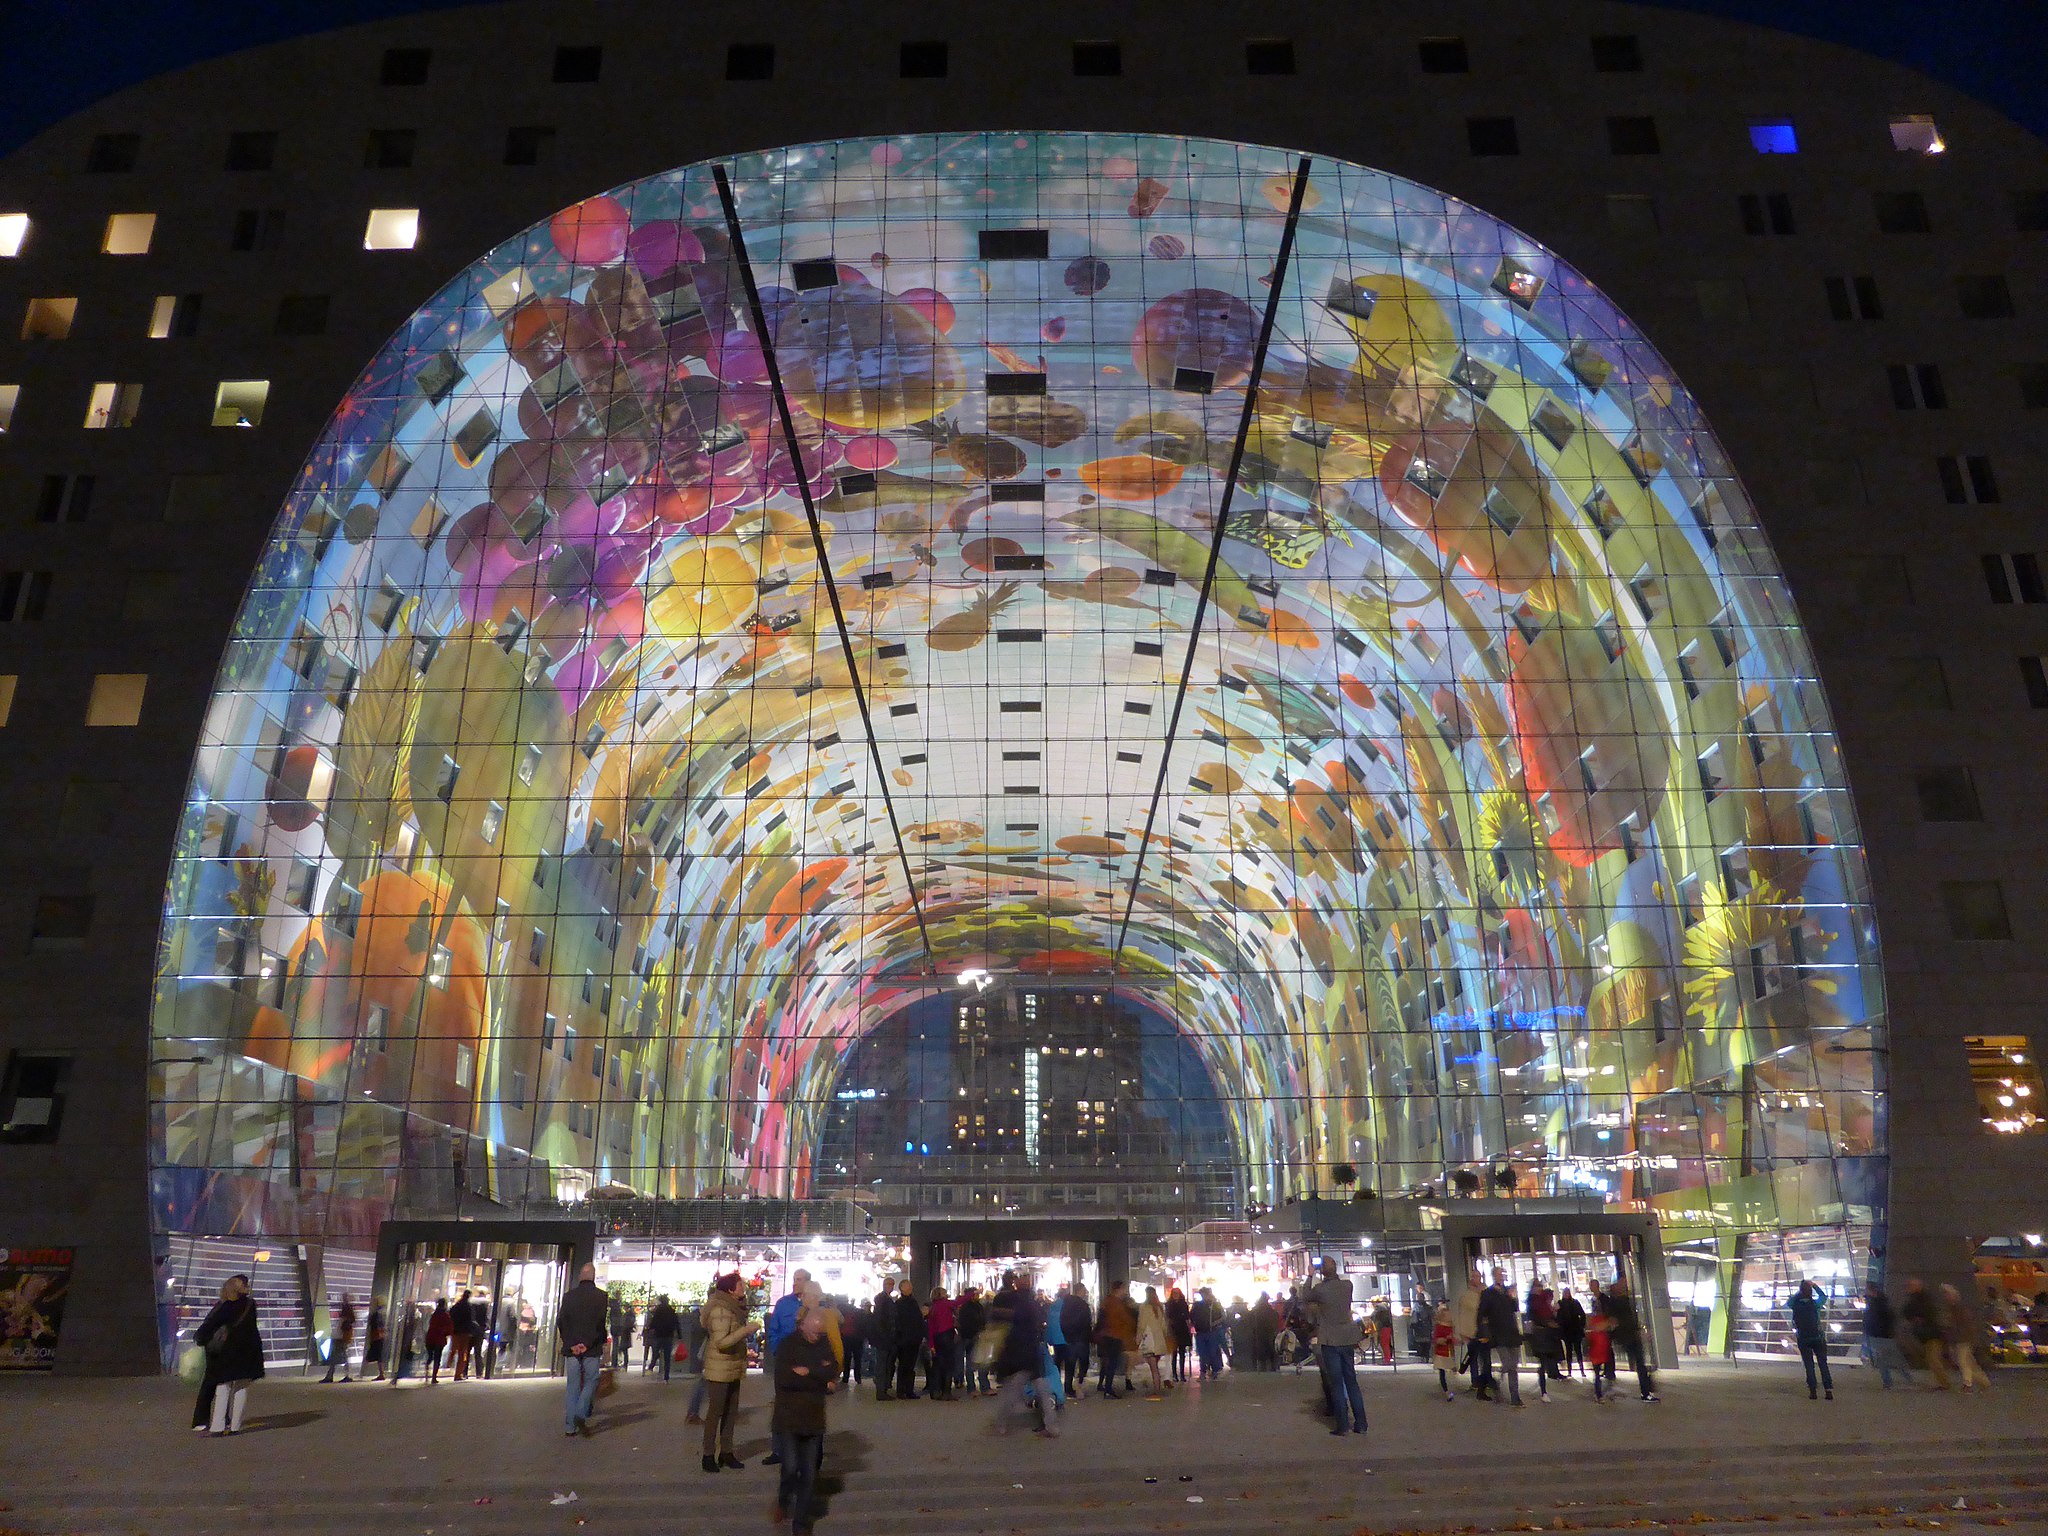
column 906, row 1368
column 1575, row 1352
column 1112, row 1355
column 885, row 1365
column 938, row 1374
column 1814, row 1352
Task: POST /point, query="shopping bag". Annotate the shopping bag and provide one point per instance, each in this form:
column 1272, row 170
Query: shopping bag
column 606, row 1384
column 988, row 1344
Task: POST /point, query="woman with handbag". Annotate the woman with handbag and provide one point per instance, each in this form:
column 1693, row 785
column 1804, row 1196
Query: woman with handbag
column 234, row 1359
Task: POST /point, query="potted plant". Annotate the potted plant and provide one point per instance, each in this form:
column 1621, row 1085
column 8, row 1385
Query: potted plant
column 1464, row 1183
column 1344, row 1175
column 1505, row 1178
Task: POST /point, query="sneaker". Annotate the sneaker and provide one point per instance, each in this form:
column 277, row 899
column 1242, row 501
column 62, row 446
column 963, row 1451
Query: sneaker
column 1831, row 1394
column 1651, row 1397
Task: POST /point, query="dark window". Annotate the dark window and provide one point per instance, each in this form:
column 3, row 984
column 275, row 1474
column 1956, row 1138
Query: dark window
column 65, row 499
column 528, row 145
column 1098, row 59
column 61, row 922
column 1917, row 387
column 1443, row 56
column 24, row 596
column 257, row 229
column 253, row 150
column 2034, row 388
column 1985, row 297
column 1015, row 244
column 1492, row 136
column 112, row 153
column 1618, row 53
column 578, row 65
column 1997, row 580
column 2030, row 210
column 750, row 61
column 921, row 61
column 1966, row 479
column 1632, row 213
column 1947, row 794
column 389, row 149
column 1767, row 214
column 2035, row 676
column 1853, row 298
column 1632, row 136
column 1976, row 909
column 1269, row 56
column 301, row 314
column 405, row 66
column 1901, row 213
column 184, row 317
column 32, row 1096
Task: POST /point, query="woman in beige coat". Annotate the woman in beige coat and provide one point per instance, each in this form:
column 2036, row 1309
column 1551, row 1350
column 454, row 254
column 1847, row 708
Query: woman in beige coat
column 726, row 1331
column 1154, row 1340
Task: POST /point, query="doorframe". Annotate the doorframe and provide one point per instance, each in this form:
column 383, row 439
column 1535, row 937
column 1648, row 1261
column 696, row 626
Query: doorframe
column 579, row 1237
column 930, row 1235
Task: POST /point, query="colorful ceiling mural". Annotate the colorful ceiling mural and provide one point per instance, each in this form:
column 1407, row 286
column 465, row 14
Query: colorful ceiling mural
column 545, row 808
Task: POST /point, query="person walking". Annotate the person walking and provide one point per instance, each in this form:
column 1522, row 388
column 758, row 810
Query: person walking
column 804, row 1371
column 626, row 1325
column 1116, row 1331
column 884, row 1338
column 1627, row 1335
column 910, row 1337
column 1055, row 1345
column 1155, row 1340
column 580, row 1324
column 1180, row 1325
column 1571, row 1331
column 343, row 1343
column 943, row 1337
column 970, row 1316
column 662, row 1326
column 1017, row 1362
column 1383, row 1329
column 1923, row 1329
column 781, row 1324
column 1960, row 1328
column 1500, row 1329
column 1443, row 1348
column 373, row 1340
column 1880, row 1337
column 1546, row 1348
column 1600, row 1348
column 1265, row 1319
column 1337, row 1336
column 1808, row 1307
column 857, row 1327
column 440, row 1329
column 233, row 1344
column 726, row 1331
column 1077, row 1324
column 1465, row 1318
column 461, row 1334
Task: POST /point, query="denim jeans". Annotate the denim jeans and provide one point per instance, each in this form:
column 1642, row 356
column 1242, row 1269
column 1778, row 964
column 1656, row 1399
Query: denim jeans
column 579, row 1387
column 1340, row 1373
column 1886, row 1355
column 1814, row 1352
column 795, row 1492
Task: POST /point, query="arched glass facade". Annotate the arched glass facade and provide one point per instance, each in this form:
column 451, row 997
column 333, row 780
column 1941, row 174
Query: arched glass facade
column 1311, row 603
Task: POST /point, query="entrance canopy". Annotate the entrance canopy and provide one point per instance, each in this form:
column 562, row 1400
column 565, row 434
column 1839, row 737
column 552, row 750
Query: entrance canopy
column 774, row 590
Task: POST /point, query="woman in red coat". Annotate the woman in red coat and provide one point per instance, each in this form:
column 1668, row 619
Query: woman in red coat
column 439, row 1327
column 941, row 1328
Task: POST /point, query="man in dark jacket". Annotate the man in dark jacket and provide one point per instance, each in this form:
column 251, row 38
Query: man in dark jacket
column 662, row 1323
column 1078, row 1324
column 804, row 1372
column 1880, row 1337
column 1809, row 1332
column 461, row 1334
column 1571, row 1329
column 582, row 1323
column 1500, row 1329
column 1017, row 1363
column 1620, row 1308
column 884, row 1341
column 910, row 1330
column 969, row 1318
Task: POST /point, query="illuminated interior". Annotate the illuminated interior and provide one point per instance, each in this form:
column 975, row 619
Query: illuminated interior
column 558, row 825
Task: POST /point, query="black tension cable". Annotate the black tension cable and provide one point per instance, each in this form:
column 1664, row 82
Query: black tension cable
column 759, row 317
column 1244, row 428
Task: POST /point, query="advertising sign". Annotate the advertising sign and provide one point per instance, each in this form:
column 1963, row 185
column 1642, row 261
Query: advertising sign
column 33, row 1284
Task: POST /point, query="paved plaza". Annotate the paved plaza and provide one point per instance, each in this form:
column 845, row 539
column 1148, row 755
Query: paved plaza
column 1728, row 1446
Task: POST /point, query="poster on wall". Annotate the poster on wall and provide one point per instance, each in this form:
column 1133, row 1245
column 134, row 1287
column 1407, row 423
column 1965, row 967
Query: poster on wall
column 33, row 1284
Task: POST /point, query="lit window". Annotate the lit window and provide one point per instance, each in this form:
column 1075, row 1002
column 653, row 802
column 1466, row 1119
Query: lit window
column 239, row 402
column 10, row 397
column 1774, row 138
column 128, row 234
column 2008, row 1082
column 392, row 229
column 174, row 314
column 1916, row 135
column 13, row 233
column 439, row 967
column 48, row 319
column 116, row 698
column 112, row 405
column 8, row 683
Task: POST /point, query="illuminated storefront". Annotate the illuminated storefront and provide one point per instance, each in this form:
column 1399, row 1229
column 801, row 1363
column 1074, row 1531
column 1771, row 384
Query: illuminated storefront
column 706, row 630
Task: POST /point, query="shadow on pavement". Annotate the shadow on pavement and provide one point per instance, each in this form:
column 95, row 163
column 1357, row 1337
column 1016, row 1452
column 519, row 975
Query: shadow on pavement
column 269, row 1421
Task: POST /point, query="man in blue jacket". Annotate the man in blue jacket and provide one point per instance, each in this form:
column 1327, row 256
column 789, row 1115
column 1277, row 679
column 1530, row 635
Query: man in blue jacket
column 1809, row 1330
column 782, row 1323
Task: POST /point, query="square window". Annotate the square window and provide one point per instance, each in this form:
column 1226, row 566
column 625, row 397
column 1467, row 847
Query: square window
column 405, row 66
column 128, row 234
column 2034, row 388
column 32, row 1094
column 116, row 698
column 1916, row 134
column 239, row 402
column 1632, row 213
column 174, row 314
column 113, row 153
column 921, row 61
column 1632, row 136
column 389, row 149
column 1269, row 56
column 1492, row 135
column 579, row 64
column 392, row 229
column 257, row 229
column 1976, row 910
column 1098, row 59
column 251, row 150
column 301, row 314
column 1900, row 213
column 750, row 61
column 1986, row 296
column 112, row 405
column 1618, row 53
column 1443, row 56
column 1775, row 137
column 2029, row 212
column 528, row 145
column 24, row 596
column 2034, row 675
column 13, row 233
column 1948, row 794
column 9, row 681
column 2007, row 1078
column 48, row 319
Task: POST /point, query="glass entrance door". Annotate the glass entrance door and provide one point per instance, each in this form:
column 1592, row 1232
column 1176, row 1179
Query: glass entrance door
column 1567, row 1259
column 518, row 1286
